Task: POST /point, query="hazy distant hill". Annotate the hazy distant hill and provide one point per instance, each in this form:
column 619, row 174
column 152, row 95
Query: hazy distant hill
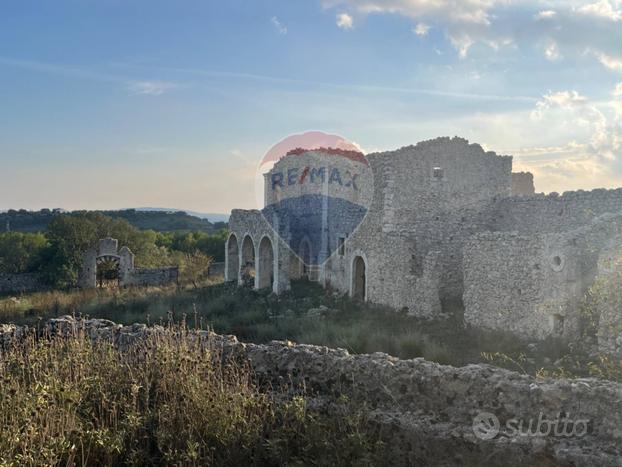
column 164, row 221
column 211, row 216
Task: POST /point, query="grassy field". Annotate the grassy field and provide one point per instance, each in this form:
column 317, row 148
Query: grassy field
column 307, row 314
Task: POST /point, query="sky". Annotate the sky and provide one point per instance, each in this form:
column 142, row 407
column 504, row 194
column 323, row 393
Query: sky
column 126, row 103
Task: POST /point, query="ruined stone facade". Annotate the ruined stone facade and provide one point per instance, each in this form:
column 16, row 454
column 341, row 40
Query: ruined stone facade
column 450, row 227
column 107, row 251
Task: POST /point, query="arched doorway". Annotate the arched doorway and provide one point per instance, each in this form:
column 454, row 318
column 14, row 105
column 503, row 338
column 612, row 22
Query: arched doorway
column 232, row 259
column 359, row 279
column 265, row 277
column 108, row 271
column 247, row 268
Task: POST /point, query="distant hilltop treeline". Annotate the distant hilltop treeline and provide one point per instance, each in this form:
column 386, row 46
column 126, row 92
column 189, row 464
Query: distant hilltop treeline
column 160, row 221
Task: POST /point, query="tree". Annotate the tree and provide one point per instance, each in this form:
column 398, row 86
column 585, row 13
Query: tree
column 195, row 268
column 20, row 252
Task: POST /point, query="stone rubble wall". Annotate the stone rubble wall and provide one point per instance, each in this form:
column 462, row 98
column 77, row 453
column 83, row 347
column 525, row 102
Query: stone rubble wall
column 553, row 213
column 439, row 213
column 145, row 277
column 216, row 269
column 535, row 285
column 522, row 184
column 21, row 283
column 605, row 301
column 423, row 411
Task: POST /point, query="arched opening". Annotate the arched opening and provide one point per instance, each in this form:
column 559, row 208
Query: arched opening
column 265, row 276
column 247, row 268
column 304, row 255
column 108, row 272
column 359, row 280
column 232, row 258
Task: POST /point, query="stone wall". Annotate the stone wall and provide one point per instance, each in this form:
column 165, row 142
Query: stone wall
column 553, row 213
column 522, row 184
column 107, row 249
column 535, row 285
column 605, row 301
column 433, row 195
column 20, row 283
column 423, row 411
column 216, row 269
column 157, row 276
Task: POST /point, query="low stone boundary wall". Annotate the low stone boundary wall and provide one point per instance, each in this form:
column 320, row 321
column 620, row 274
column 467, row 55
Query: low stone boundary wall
column 424, row 411
column 216, row 269
column 20, row 283
column 158, row 276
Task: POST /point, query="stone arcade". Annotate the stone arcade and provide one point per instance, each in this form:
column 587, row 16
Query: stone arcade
column 449, row 227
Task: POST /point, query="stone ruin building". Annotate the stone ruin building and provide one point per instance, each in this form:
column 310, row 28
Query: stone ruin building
column 450, row 228
column 107, row 256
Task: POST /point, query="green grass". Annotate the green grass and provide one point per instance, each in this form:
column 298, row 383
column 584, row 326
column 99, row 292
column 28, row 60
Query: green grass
column 312, row 315
column 258, row 316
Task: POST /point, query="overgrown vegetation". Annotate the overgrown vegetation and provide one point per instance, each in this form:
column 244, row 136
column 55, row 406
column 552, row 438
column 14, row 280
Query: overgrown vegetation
column 163, row 402
column 306, row 314
column 57, row 253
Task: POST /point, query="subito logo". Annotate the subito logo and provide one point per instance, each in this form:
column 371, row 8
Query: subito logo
column 316, row 190
column 486, row 425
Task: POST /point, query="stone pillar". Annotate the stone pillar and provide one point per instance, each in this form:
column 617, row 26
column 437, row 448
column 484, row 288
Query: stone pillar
column 126, row 266
column 88, row 275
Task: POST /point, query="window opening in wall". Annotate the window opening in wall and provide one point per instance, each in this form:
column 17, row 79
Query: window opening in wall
column 557, row 323
column 341, row 246
column 438, row 173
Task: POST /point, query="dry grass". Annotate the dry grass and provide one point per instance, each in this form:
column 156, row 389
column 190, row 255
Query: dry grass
column 167, row 401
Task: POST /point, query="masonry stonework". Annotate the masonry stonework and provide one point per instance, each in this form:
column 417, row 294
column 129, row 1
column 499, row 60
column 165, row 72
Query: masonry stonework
column 20, row 283
column 107, row 250
column 522, row 184
column 449, row 227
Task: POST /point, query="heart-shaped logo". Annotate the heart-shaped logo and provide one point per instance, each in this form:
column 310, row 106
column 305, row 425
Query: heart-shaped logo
column 317, row 189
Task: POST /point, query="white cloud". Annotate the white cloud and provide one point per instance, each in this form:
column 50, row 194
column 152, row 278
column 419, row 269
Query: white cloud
column 594, row 149
column 552, row 51
column 613, row 63
column 345, row 21
column 560, row 99
column 576, row 24
column 459, row 11
column 151, row 88
column 280, row 27
column 462, row 43
column 617, row 92
column 602, row 9
column 421, row 29
column 545, row 14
